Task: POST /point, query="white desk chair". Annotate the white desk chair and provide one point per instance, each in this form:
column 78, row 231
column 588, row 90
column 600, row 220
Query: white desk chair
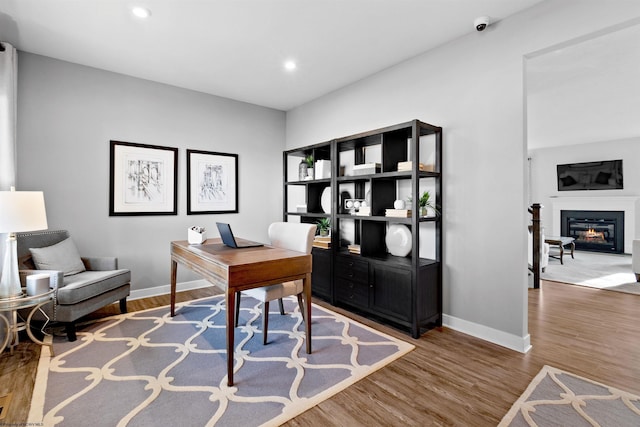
column 287, row 235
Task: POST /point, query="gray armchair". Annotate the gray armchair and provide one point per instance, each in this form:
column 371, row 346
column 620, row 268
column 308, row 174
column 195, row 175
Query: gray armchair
column 92, row 283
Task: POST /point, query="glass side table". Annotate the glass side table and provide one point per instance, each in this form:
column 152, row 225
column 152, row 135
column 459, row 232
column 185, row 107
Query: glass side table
column 14, row 324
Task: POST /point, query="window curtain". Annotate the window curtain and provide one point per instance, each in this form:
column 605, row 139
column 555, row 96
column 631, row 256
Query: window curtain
column 8, row 120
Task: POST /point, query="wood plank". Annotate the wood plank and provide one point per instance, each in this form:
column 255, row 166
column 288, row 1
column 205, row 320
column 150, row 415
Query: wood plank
column 451, row 378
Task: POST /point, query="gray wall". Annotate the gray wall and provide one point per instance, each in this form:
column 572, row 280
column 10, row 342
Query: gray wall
column 473, row 88
column 67, row 114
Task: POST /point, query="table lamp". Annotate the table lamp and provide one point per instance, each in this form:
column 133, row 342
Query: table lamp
column 19, row 211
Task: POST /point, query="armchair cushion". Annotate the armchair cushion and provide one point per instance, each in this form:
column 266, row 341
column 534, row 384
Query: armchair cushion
column 62, row 256
column 85, row 285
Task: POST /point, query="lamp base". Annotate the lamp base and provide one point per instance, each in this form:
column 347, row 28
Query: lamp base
column 10, row 282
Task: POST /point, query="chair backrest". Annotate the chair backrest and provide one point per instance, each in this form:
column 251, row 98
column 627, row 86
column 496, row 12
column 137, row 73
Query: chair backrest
column 294, row 236
column 36, row 239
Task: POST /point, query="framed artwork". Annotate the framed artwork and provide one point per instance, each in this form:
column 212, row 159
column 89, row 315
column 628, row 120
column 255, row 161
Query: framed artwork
column 212, row 182
column 143, row 179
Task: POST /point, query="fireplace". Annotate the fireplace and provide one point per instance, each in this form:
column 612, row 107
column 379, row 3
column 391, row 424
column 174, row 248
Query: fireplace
column 597, row 231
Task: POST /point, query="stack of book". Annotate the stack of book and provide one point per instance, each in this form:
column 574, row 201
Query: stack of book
column 407, row 166
column 322, row 242
column 364, row 211
column 398, row 213
column 354, row 249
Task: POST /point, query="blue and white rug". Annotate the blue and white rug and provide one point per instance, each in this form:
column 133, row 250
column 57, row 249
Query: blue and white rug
column 147, row 368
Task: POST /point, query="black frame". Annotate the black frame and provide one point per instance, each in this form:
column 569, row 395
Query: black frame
column 603, row 175
column 165, row 156
column 227, row 161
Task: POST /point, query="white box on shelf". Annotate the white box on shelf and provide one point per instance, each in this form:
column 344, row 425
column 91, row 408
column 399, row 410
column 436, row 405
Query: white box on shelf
column 196, row 235
column 301, row 208
column 366, row 169
column 323, row 169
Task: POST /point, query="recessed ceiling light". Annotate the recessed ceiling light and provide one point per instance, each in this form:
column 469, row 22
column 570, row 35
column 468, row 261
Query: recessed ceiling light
column 290, row 65
column 141, row 12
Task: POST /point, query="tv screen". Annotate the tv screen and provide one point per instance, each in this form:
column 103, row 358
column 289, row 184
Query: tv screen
column 604, row 175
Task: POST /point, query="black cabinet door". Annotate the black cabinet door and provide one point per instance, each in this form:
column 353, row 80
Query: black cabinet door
column 321, row 273
column 391, row 292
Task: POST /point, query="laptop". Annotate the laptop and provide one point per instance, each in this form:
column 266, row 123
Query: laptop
column 229, row 240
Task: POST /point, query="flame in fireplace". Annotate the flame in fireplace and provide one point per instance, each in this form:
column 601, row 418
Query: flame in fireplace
column 592, row 233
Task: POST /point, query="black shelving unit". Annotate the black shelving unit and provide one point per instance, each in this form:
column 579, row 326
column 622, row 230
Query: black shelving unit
column 405, row 292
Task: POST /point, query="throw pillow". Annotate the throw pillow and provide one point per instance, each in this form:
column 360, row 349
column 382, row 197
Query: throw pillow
column 62, row 256
column 568, row 180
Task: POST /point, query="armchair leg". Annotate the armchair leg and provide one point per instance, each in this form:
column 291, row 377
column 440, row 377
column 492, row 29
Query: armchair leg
column 70, row 329
column 123, row 305
column 281, row 305
column 265, row 321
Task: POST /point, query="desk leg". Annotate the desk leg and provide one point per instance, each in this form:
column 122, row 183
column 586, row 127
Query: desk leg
column 306, row 288
column 230, row 299
column 561, row 253
column 174, row 271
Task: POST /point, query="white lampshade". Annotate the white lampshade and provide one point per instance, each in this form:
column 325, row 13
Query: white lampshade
column 19, row 211
column 22, row 211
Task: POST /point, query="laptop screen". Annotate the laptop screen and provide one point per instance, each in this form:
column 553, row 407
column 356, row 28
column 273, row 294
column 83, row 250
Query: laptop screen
column 226, row 234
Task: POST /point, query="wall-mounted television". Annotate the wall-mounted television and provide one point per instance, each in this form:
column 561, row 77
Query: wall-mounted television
column 604, row 175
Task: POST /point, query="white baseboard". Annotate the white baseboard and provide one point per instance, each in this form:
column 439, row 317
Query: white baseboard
column 504, row 339
column 510, row 341
column 166, row 289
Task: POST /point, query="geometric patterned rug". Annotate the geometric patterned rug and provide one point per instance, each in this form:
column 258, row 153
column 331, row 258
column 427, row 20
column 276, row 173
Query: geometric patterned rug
column 147, row 369
column 559, row 398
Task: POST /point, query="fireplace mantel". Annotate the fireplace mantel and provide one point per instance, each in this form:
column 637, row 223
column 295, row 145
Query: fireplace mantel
column 628, row 204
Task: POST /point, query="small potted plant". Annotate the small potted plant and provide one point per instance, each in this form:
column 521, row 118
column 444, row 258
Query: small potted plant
column 425, row 204
column 324, row 226
column 309, row 161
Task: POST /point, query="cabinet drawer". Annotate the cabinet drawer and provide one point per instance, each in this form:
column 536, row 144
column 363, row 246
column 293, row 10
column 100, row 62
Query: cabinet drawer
column 352, row 292
column 353, row 269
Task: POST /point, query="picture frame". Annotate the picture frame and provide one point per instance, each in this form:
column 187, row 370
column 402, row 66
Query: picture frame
column 212, row 182
column 143, row 179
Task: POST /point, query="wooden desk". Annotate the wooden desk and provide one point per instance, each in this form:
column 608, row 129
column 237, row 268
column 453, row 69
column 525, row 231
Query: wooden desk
column 234, row 270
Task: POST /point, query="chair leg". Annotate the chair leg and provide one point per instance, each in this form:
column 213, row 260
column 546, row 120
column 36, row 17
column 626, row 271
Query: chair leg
column 123, row 305
column 237, row 307
column 301, row 305
column 281, row 306
column 265, row 321
column 70, row 329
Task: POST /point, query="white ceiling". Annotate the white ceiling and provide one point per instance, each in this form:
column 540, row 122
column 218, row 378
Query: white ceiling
column 236, row 48
column 587, row 90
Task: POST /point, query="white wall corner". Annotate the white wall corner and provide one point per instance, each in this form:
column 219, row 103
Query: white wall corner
column 501, row 338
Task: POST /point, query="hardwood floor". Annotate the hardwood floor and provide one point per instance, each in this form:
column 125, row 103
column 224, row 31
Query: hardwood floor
column 450, row 378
